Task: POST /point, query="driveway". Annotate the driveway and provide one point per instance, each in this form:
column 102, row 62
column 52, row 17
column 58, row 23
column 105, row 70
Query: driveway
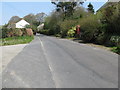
column 49, row 62
column 7, row 54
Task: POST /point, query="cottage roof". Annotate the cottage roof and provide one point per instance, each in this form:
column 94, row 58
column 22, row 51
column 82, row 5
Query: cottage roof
column 22, row 22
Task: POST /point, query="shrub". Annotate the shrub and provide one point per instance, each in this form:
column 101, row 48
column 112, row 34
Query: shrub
column 89, row 27
column 65, row 26
column 115, row 40
column 4, row 31
column 18, row 32
column 57, row 35
column 29, row 32
column 34, row 29
column 23, row 31
column 10, row 32
column 71, row 32
column 111, row 16
column 27, row 26
column 52, row 23
column 0, row 33
column 46, row 32
column 79, row 13
column 116, row 50
column 101, row 38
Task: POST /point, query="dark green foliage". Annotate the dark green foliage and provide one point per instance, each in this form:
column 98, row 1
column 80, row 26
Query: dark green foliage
column 90, row 8
column 4, row 31
column 46, row 32
column 116, row 49
column 111, row 17
column 79, row 13
column 90, row 28
column 0, row 33
column 65, row 26
column 110, row 23
column 27, row 26
column 115, row 40
column 66, row 7
column 52, row 23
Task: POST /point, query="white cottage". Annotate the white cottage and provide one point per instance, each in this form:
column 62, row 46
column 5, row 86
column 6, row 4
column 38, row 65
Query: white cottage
column 40, row 27
column 21, row 24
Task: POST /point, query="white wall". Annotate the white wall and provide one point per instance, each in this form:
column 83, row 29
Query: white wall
column 21, row 24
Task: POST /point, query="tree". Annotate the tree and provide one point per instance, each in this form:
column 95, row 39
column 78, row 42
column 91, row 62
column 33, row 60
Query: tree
column 111, row 17
column 51, row 23
column 67, row 8
column 40, row 17
column 79, row 13
column 14, row 19
column 29, row 18
column 90, row 8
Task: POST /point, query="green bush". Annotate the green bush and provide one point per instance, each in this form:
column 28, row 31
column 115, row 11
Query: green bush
column 4, row 31
column 71, row 32
column 27, row 26
column 79, row 13
column 101, row 37
column 90, row 27
column 65, row 26
column 57, row 35
column 116, row 49
column 16, row 32
column 51, row 23
column 46, row 32
column 0, row 33
column 33, row 27
column 115, row 40
column 24, row 31
column 111, row 17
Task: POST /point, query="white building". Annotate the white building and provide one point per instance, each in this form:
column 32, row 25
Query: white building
column 21, row 24
column 40, row 27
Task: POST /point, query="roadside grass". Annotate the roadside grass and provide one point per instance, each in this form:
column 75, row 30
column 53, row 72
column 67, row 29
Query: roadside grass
column 16, row 40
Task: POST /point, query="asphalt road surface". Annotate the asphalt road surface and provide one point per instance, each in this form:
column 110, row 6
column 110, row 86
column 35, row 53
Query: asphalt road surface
column 49, row 62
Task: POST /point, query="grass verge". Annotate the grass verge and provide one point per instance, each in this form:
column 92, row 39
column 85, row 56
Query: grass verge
column 16, row 40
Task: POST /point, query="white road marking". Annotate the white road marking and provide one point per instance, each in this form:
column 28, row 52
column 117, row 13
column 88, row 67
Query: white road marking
column 54, row 78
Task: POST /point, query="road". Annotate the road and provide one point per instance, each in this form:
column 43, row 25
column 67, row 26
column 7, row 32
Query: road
column 49, row 62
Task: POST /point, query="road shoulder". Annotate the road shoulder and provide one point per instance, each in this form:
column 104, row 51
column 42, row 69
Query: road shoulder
column 9, row 52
